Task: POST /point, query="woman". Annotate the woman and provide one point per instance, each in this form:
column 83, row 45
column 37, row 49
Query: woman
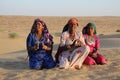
column 72, row 50
column 39, row 46
column 93, row 41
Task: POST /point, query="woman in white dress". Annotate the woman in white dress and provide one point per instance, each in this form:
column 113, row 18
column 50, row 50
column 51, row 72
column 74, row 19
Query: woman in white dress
column 72, row 50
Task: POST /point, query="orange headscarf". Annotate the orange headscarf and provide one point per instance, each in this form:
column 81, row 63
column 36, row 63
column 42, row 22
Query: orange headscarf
column 71, row 21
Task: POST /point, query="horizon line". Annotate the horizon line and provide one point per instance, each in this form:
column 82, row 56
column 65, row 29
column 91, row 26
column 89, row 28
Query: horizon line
column 62, row 15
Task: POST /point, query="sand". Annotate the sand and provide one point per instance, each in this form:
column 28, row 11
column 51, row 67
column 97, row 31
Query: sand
column 13, row 63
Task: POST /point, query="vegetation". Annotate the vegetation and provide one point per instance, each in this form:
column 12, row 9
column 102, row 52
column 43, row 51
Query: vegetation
column 13, row 35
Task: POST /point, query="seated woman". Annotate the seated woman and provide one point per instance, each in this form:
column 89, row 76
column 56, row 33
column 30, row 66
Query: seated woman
column 93, row 41
column 39, row 46
column 72, row 50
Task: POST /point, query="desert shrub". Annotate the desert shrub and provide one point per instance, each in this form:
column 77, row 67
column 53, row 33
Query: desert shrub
column 13, row 35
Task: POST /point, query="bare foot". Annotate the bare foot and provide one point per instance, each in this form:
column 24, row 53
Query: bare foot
column 76, row 67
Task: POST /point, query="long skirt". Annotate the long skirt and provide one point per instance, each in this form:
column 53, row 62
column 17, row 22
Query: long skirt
column 98, row 60
column 68, row 59
column 41, row 60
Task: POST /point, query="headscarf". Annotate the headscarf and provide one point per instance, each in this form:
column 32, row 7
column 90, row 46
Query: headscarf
column 45, row 31
column 71, row 21
column 90, row 24
column 93, row 25
column 33, row 29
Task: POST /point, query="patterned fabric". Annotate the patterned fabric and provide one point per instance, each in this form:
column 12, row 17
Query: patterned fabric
column 40, row 58
column 65, row 40
column 93, row 44
column 69, row 59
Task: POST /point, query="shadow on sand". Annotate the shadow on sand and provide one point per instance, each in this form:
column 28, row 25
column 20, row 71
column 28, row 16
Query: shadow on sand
column 19, row 62
column 13, row 65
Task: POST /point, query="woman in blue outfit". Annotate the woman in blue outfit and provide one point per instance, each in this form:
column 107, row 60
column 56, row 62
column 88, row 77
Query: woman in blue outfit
column 39, row 46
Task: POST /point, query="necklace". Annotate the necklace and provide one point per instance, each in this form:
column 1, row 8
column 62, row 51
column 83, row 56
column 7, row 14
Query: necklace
column 90, row 40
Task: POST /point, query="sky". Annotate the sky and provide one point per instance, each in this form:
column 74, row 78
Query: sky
column 60, row 7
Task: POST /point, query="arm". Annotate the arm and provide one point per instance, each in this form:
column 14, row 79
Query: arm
column 80, row 41
column 49, row 45
column 97, row 42
column 63, row 46
column 29, row 43
column 69, row 47
column 82, row 38
column 46, row 47
column 97, row 46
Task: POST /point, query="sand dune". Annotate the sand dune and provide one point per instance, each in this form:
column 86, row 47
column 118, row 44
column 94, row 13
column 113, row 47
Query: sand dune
column 13, row 65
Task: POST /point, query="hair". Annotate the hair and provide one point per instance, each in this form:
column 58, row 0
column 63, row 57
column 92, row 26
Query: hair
column 86, row 29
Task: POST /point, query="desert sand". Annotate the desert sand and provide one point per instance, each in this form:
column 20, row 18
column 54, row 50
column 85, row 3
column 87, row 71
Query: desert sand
column 13, row 63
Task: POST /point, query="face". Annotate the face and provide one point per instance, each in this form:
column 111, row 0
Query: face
column 72, row 28
column 73, row 23
column 39, row 26
column 91, row 30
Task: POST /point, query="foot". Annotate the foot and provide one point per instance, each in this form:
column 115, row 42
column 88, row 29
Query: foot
column 76, row 67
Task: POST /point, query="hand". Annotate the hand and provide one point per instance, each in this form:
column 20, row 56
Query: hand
column 78, row 43
column 94, row 55
column 73, row 44
column 45, row 47
column 95, row 50
column 36, row 47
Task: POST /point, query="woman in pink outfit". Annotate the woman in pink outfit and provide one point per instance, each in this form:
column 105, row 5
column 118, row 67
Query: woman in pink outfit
column 93, row 41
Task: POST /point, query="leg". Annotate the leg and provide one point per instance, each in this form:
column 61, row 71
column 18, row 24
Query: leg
column 35, row 64
column 100, row 59
column 89, row 61
column 63, row 59
column 49, row 62
column 79, row 58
